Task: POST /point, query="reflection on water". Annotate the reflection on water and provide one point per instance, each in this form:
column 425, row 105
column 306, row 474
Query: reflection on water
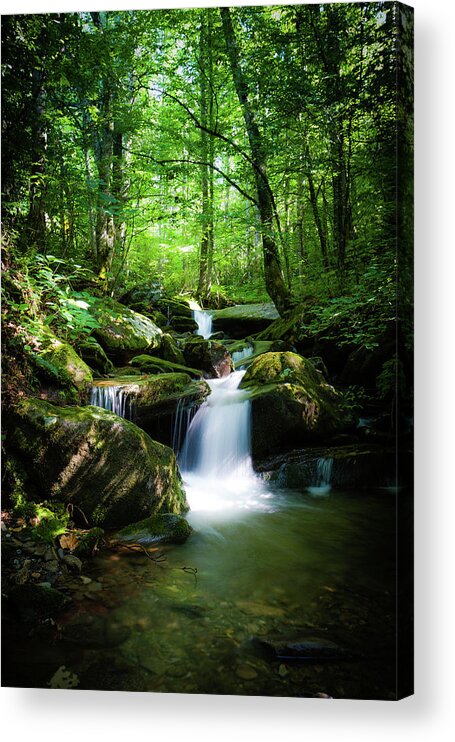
column 295, row 568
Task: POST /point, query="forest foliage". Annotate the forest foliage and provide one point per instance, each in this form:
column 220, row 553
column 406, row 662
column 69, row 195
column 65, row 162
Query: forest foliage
column 243, row 152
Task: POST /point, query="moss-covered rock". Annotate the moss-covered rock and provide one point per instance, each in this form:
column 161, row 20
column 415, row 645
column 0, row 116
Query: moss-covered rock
column 154, row 400
column 107, row 467
column 93, row 354
column 154, row 365
column 170, row 351
column 161, row 528
column 57, row 362
column 292, row 404
column 209, row 355
column 244, row 319
column 122, row 332
column 34, row 603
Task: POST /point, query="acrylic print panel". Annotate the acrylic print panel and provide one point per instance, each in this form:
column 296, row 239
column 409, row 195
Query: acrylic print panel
column 208, row 357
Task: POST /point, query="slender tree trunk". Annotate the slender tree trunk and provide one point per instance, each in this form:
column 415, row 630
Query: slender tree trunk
column 36, row 221
column 273, row 274
column 206, row 76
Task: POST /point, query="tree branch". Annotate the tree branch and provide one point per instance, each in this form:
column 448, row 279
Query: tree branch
column 195, row 162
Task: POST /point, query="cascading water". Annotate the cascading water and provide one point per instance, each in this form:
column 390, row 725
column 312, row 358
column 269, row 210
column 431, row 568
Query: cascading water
column 115, row 399
column 323, row 477
column 215, row 458
column 204, row 322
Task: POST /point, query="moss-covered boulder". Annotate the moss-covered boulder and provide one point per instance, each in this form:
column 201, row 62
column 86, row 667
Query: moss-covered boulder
column 210, row 356
column 244, row 319
column 58, row 363
column 122, row 332
column 161, row 528
column 94, row 356
column 170, row 351
column 105, row 466
column 292, row 404
column 152, row 401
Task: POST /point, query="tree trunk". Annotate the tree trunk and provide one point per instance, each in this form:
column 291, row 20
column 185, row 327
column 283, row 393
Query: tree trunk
column 206, row 90
column 273, row 274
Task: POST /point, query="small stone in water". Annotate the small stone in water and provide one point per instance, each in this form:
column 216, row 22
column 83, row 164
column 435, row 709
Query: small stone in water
column 246, row 672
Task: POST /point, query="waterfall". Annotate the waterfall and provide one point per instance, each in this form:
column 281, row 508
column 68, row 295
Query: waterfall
column 323, row 477
column 115, row 399
column 204, row 322
column 215, row 458
column 239, row 355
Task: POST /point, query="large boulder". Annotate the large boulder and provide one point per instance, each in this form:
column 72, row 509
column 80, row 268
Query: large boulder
column 92, row 353
column 58, row 363
column 244, row 319
column 169, row 350
column 153, row 401
column 292, row 404
column 106, row 467
column 209, row 355
column 122, row 332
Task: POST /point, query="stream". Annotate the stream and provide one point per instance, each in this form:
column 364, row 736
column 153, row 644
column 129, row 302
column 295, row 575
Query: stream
column 262, row 564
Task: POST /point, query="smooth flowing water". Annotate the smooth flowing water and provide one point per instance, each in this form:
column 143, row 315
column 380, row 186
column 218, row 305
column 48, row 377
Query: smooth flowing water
column 113, row 398
column 204, row 322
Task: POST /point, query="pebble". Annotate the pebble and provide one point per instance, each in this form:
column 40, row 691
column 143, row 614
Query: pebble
column 246, row 672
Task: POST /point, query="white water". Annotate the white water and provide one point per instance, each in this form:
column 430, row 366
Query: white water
column 323, row 477
column 216, row 456
column 204, row 322
column 113, row 398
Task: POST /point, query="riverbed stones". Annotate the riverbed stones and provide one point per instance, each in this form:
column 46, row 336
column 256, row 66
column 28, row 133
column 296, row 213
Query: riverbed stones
column 105, row 466
column 292, row 404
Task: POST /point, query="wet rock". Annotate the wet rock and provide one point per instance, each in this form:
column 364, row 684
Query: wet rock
column 291, row 403
column 94, row 356
column 106, row 466
column 353, row 466
column 209, row 355
column 161, row 528
column 305, row 650
column 170, row 351
column 71, row 561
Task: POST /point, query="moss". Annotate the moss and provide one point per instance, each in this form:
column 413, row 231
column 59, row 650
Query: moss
column 170, row 351
column 148, row 363
column 93, row 354
column 123, row 331
column 58, row 362
column 163, row 528
column 286, row 367
column 106, row 466
column 292, row 403
column 88, row 543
